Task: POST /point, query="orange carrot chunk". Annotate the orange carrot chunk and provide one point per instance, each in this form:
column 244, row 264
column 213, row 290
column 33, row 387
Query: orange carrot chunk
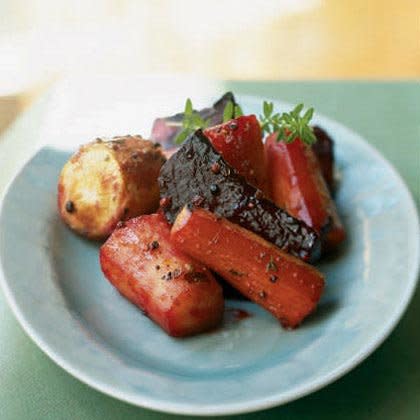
column 284, row 285
column 298, row 187
column 178, row 293
column 239, row 141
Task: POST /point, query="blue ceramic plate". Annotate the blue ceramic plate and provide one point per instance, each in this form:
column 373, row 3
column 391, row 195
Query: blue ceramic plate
column 54, row 284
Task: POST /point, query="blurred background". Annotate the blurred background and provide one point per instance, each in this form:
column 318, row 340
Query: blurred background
column 45, row 40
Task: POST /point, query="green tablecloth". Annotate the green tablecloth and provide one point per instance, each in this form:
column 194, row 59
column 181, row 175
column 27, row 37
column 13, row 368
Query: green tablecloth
column 385, row 386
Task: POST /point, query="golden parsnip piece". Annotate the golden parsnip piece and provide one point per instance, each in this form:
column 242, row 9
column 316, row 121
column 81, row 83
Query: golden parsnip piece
column 107, row 181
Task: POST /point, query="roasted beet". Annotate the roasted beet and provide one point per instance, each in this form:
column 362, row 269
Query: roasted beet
column 187, row 178
column 324, row 151
column 165, row 129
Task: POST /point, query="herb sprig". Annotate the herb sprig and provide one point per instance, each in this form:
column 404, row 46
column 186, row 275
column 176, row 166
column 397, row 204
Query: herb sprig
column 289, row 125
column 192, row 121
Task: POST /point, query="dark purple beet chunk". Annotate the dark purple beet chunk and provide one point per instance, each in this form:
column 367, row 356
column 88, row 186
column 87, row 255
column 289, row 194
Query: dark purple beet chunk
column 165, row 129
column 187, row 179
column 324, row 150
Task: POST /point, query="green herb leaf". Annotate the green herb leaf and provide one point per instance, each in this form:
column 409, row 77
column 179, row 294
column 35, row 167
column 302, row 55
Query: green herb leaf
column 308, row 115
column 228, row 112
column 188, row 107
column 192, row 121
column 268, row 108
column 231, row 111
column 289, row 125
column 181, row 137
column 238, row 111
column 297, row 110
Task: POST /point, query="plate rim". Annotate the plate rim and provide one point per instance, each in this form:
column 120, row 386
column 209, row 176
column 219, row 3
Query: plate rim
column 251, row 405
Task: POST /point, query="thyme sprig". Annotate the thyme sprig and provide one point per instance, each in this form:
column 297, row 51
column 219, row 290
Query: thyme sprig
column 289, row 125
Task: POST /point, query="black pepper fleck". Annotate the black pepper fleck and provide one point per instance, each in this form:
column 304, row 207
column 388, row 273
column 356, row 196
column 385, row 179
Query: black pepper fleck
column 154, row 245
column 214, row 189
column 167, row 276
column 70, row 207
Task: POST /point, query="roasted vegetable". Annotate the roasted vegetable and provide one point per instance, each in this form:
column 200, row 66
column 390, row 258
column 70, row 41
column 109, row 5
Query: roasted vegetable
column 281, row 283
column 166, row 129
column 178, row 293
column 199, row 176
column 239, row 141
column 299, row 187
column 324, row 151
column 109, row 181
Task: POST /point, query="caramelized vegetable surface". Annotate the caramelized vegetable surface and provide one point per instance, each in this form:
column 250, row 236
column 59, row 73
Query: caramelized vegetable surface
column 299, row 187
column 108, row 181
column 281, row 283
column 239, row 141
column 175, row 291
column 199, row 176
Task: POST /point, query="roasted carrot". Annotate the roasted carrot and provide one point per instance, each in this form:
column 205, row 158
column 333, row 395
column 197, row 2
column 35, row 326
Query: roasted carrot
column 297, row 185
column 178, row 293
column 284, row 285
column 239, row 141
